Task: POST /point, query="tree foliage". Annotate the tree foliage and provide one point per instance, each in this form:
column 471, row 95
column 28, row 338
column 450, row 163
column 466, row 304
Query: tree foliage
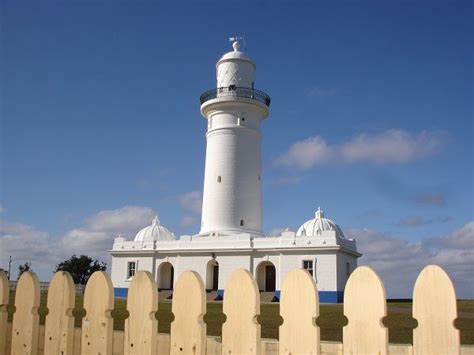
column 22, row 268
column 81, row 267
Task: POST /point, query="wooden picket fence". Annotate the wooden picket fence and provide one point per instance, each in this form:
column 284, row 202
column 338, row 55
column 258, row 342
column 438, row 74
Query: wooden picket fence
column 434, row 307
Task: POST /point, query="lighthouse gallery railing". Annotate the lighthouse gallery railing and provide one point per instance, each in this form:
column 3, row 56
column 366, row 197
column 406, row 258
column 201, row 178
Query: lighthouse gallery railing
column 235, row 91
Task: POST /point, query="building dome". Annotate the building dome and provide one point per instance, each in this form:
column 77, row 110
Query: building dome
column 318, row 225
column 155, row 232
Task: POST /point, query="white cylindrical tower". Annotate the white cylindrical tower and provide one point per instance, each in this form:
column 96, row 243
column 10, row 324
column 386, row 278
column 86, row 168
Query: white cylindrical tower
column 232, row 199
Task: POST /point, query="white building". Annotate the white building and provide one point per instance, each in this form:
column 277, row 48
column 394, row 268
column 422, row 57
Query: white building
column 231, row 227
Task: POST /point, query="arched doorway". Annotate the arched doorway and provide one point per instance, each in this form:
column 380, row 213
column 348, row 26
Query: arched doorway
column 212, row 275
column 165, row 276
column 266, row 276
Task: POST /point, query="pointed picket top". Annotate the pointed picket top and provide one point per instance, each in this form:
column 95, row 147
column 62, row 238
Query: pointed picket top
column 97, row 325
column 434, row 307
column 365, row 307
column 25, row 328
column 141, row 326
column 59, row 325
column 299, row 308
column 241, row 331
column 4, row 298
column 188, row 330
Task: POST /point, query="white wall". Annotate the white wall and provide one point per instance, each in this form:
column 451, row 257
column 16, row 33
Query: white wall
column 119, row 272
column 342, row 260
column 330, row 265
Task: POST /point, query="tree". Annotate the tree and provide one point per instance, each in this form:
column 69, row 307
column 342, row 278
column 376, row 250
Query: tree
column 81, row 267
column 22, row 268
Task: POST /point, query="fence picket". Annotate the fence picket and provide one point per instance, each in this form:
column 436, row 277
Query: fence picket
column 97, row 325
column 4, row 298
column 299, row 307
column 141, row 327
column 188, row 330
column 241, row 331
column 59, row 325
column 25, row 328
column 365, row 307
column 434, row 307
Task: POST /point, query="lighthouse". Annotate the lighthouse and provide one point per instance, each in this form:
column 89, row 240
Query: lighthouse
column 232, row 198
column 230, row 236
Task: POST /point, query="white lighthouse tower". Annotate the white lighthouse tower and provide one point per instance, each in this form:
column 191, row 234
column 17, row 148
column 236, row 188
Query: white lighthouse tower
column 231, row 235
column 232, row 199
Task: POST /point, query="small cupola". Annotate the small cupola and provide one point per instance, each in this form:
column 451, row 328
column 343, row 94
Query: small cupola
column 154, row 232
column 318, row 225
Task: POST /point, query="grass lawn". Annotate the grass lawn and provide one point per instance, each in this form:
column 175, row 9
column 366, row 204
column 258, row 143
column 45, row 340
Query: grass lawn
column 331, row 319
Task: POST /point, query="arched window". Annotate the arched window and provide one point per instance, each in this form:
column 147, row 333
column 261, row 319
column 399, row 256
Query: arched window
column 241, row 222
column 219, row 179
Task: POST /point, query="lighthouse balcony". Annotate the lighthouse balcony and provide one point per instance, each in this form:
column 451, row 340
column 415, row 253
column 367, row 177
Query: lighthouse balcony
column 233, row 91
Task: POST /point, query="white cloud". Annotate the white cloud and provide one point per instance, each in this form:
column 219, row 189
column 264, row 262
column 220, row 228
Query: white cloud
column 187, row 221
column 392, row 146
column 462, row 238
column 25, row 243
column 306, row 153
column 122, row 219
column 399, row 262
column 191, row 201
column 94, row 238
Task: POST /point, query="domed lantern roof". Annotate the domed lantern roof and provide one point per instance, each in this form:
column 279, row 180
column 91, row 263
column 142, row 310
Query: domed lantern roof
column 318, row 225
column 154, row 232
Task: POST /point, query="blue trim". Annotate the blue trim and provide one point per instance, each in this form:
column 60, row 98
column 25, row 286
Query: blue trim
column 120, row 292
column 331, row 296
column 324, row 296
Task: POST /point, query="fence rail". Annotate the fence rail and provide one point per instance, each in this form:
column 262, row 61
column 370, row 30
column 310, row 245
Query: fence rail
column 434, row 307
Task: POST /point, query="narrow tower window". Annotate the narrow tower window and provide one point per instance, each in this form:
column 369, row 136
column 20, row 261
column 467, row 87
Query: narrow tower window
column 219, row 179
column 241, row 222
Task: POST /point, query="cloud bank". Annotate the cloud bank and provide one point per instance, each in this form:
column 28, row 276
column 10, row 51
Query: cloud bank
column 26, row 243
column 399, row 262
column 396, row 260
column 392, row 146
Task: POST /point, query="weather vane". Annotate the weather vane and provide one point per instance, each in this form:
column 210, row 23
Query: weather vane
column 237, row 38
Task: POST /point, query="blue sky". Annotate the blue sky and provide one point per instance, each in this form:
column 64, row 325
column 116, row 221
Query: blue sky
column 371, row 119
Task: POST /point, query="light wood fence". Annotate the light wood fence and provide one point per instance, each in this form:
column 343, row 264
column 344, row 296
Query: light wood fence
column 434, row 307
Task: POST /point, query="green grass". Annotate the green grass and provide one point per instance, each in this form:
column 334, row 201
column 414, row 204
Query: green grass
column 331, row 320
